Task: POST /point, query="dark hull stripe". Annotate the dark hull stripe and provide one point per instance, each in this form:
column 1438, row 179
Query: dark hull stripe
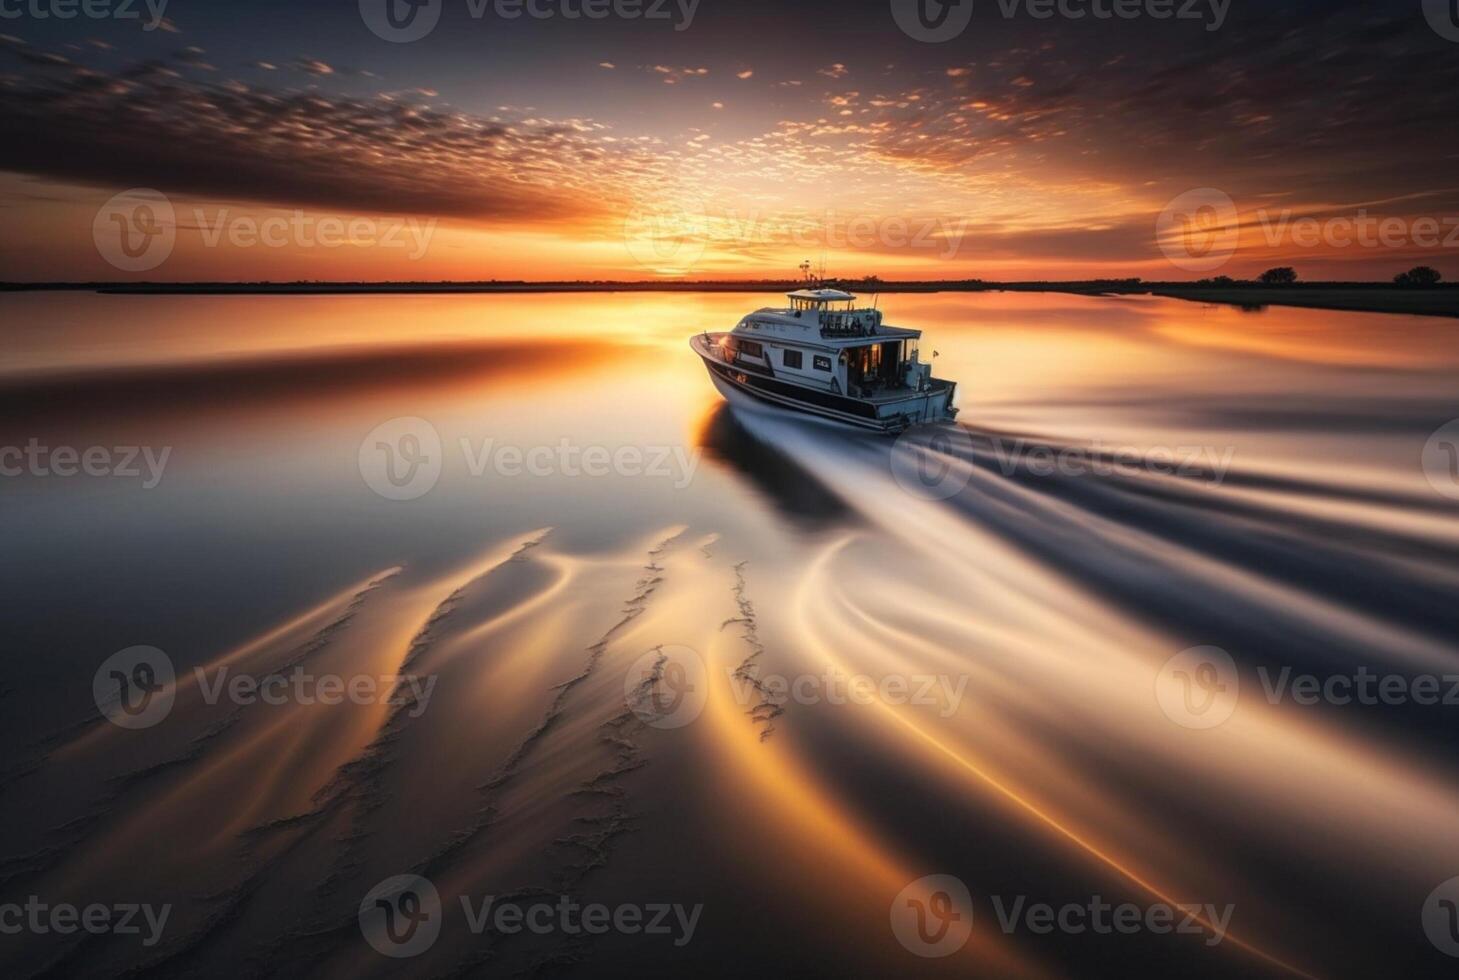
column 794, row 396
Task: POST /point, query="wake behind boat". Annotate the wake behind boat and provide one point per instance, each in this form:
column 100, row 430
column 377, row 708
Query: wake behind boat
column 825, row 356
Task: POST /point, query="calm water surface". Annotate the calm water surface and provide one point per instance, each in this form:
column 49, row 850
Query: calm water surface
column 1027, row 560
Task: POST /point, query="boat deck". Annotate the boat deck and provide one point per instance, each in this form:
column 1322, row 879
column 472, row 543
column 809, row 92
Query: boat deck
column 706, row 346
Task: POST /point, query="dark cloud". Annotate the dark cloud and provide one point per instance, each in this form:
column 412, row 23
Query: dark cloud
column 148, row 125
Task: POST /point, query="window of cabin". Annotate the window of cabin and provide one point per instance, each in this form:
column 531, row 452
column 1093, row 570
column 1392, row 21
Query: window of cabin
column 822, row 363
column 793, row 359
column 750, row 348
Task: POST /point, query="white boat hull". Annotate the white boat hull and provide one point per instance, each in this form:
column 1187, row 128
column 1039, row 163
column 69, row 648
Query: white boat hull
column 740, row 384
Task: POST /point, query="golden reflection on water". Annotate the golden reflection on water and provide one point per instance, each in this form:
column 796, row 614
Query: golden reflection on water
column 530, row 599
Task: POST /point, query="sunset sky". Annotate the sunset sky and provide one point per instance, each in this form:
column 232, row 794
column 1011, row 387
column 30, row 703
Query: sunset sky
column 732, row 139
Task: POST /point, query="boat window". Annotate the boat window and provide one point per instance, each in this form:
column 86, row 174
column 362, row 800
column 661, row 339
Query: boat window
column 750, row 348
column 822, row 363
column 792, row 359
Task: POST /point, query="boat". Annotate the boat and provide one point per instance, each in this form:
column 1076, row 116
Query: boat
column 825, row 355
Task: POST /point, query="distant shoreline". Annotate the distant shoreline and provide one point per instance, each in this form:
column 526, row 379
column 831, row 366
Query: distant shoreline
column 1370, row 297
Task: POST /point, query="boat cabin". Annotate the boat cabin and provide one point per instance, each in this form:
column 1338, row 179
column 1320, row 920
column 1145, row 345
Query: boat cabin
column 824, row 355
column 823, row 339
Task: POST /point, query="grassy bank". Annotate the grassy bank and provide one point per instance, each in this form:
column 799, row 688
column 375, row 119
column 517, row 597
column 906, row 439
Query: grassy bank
column 1422, row 302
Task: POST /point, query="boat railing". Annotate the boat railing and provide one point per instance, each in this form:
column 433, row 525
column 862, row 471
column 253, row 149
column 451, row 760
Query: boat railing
column 717, row 351
column 852, row 323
